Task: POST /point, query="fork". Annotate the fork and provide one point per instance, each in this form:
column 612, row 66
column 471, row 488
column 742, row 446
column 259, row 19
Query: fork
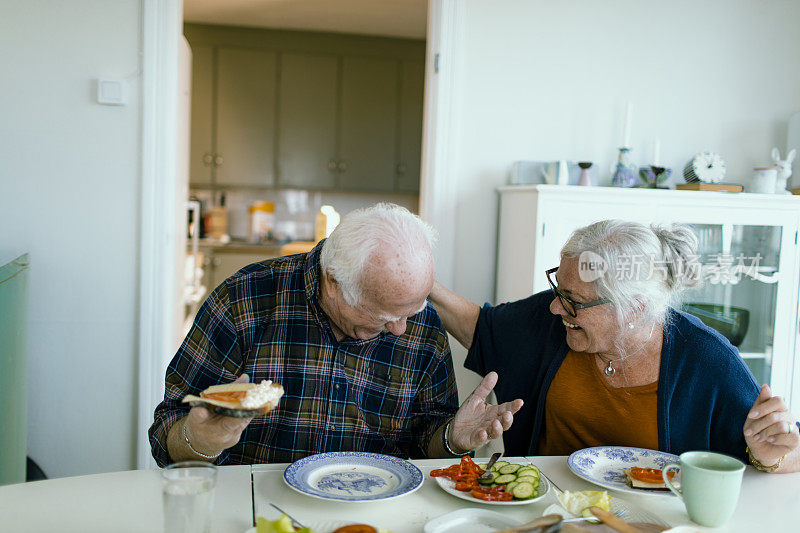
column 295, row 523
column 619, row 513
column 492, row 461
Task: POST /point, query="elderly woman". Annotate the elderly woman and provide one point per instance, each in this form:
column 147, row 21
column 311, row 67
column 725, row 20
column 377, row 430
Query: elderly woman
column 603, row 359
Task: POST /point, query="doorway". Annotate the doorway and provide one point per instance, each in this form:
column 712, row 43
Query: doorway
column 163, row 200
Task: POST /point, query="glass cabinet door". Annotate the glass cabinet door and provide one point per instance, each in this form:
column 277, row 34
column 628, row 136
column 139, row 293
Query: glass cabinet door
column 738, row 297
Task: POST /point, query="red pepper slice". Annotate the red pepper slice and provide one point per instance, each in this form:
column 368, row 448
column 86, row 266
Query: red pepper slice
column 649, row 475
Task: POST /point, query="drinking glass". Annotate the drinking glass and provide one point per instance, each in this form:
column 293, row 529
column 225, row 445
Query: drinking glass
column 188, row 495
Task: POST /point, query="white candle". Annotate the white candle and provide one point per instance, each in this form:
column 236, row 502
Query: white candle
column 626, row 130
column 657, row 152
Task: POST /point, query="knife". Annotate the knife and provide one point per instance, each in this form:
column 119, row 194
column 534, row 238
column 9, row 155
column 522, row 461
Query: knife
column 253, row 497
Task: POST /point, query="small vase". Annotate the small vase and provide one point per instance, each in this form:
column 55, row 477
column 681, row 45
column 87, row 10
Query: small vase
column 625, row 174
column 585, row 179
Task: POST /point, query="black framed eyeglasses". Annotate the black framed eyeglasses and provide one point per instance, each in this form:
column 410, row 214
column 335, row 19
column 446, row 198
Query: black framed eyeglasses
column 569, row 305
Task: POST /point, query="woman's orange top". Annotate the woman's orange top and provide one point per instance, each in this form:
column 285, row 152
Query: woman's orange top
column 582, row 410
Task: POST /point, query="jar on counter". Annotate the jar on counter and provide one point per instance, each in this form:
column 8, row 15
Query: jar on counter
column 262, row 220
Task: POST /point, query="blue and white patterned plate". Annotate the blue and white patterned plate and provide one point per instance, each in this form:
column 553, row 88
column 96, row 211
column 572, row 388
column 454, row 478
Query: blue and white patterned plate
column 604, row 465
column 353, row 476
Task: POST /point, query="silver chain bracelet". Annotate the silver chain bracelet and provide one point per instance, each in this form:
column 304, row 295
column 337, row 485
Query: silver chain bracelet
column 446, row 440
column 189, row 444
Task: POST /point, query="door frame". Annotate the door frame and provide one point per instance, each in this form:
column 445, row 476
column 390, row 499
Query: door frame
column 161, row 31
column 438, row 199
column 162, row 28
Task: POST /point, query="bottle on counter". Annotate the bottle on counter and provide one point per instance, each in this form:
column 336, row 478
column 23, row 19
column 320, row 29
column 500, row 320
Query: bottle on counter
column 262, row 220
column 217, row 221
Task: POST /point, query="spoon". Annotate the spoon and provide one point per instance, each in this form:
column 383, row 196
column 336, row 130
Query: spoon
column 547, row 523
column 492, row 461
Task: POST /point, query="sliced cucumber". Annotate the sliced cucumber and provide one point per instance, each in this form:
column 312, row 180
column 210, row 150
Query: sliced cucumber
column 524, row 491
column 483, row 466
column 510, row 486
column 499, row 464
column 489, row 480
column 509, row 469
column 533, row 471
column 505, row 478
column 529, row 479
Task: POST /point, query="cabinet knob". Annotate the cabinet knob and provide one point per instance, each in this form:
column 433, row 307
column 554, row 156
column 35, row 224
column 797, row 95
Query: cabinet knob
column 332, row 165
column 216, row 261
column 208, row 159
column 342, row 166
column 401, row 168
column 218, row 161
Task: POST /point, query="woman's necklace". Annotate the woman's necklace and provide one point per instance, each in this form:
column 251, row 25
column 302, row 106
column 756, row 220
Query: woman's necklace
column 609, row 369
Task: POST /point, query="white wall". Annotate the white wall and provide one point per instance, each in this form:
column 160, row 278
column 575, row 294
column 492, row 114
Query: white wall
column 543, row 80
column 69, row 195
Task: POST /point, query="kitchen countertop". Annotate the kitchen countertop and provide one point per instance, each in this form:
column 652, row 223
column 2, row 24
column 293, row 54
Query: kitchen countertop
column 243, row 247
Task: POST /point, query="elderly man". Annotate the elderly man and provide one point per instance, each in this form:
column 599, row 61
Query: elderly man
column 346, row 329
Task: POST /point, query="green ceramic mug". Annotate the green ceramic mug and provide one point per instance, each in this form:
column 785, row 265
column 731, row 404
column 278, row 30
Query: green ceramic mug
column 710, row 484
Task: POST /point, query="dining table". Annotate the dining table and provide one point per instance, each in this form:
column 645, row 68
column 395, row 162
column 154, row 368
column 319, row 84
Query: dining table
column 131, row 501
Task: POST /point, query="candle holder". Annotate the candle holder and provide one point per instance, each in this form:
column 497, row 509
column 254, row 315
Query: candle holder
column 652, row 176
column 625, row 174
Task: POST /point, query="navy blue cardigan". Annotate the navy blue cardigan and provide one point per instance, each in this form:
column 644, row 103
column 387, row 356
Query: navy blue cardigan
column 705, row 390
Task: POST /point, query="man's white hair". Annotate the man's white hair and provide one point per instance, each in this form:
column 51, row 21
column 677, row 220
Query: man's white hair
column 362, row 233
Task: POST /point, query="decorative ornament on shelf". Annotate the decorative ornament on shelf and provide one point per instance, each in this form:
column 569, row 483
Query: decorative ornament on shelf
column 784, row 167
column 625, row 173
column 652, row 176
column 705, row 167
column 585, row 179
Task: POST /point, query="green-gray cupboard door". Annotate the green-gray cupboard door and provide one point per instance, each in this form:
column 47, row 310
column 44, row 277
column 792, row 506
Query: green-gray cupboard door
column 368, row 129
column 412, row 90
column 307, row 121
column 201, row 149
column 245, row 118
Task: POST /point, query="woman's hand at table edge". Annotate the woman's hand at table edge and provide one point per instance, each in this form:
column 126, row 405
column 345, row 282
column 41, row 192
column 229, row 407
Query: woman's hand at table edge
column 771, row 432
column 208, row 433
column 478, row 422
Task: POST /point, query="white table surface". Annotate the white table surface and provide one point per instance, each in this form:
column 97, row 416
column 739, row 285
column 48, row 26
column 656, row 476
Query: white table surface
column 115, row 502
column 131, row 501
column 767, row 503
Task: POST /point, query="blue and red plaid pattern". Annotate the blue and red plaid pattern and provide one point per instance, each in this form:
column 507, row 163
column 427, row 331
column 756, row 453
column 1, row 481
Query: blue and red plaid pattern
column 385, row 395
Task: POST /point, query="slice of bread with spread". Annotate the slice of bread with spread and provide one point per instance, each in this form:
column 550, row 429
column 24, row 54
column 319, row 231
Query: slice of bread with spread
column 240, row 400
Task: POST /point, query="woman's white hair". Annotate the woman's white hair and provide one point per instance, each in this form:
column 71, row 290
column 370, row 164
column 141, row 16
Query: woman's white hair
column 647, row 268
column 365, row 231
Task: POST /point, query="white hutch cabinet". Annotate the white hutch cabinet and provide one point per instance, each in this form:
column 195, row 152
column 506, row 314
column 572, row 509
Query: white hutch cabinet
column 757, row 231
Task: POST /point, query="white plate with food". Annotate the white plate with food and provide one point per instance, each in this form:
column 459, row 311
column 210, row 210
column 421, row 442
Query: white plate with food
column 523, row 481
column 472, row 520
column 353, row 476
column 606, row 466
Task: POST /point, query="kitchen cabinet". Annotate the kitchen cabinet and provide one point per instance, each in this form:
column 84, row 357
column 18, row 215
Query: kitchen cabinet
column 245, row 117
column 220, row 264
column 368, row 126
column 202, row 139
column 748, row 251
column 233, row 116
column 307, row 114
column 305, row 110
column 412, row 89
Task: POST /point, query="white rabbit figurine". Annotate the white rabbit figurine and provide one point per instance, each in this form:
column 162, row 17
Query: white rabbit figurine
column 784, row 169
